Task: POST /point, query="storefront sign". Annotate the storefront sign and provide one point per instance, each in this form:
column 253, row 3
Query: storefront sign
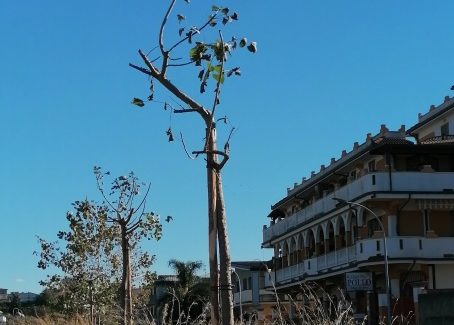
column 358, row 281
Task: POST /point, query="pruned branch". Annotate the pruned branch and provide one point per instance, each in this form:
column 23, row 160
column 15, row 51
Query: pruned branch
column 173, row 89
column 217, row 166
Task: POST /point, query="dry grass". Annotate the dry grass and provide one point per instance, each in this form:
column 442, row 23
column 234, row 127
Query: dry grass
column 311, row 310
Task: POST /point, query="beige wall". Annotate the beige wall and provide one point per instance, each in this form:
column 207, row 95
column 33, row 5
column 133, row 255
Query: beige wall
column 411, row 223
column 442, row 222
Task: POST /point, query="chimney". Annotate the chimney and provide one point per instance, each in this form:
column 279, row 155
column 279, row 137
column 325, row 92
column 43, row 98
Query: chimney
column 322, row 167
column 447, row 98
column 355, row 145
column 402, row 128
column 432, row 107
column 312, row 174
column 368, row 137
column 333, row 160
column 383, row 129
column 344, row 153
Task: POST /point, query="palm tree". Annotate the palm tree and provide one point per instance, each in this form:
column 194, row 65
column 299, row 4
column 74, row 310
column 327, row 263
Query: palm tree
column 189, row 293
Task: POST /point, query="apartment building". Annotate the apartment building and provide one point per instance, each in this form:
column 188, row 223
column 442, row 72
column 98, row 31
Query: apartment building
column 397, row 187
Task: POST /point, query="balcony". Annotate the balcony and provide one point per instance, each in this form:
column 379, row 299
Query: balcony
column 246, row 296
column 369, row 183
column 407, row 248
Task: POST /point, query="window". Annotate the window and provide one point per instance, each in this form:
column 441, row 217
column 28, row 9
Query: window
column 444, row 129
column 371, row 166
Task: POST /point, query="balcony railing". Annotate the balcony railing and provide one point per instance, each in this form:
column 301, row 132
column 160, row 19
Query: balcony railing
column 373, row 182
column 409, row 248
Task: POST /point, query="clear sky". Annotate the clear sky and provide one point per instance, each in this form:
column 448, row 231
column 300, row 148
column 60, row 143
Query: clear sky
column 326, row 74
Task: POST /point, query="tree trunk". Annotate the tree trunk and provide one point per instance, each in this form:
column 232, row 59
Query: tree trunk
column 125, row 289
column 224, row 256
column 212, row 227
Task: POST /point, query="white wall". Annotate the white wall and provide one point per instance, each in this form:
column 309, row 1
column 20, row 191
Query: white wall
column 434, row 126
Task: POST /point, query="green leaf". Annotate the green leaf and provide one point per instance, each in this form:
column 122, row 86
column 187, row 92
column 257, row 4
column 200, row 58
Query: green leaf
column 234, row 16
column 243, row 42
column 138, row 102
column 225, row 11
column 252, row 47
column 215, row 8
column 180, row 31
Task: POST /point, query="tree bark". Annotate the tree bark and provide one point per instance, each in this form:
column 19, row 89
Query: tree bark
column 125, row 289
column 224, row 256
column 212, row 226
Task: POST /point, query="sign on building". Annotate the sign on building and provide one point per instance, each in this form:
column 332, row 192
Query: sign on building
column 358, row 281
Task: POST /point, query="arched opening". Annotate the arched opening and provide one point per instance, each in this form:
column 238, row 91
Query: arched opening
column 342, row 237
column 277, row 257
column 353, row 230
column 285, row 255
column 321, row 242
column 300, row 248
column 310, row 244
column 293, row 252
column 331, row 239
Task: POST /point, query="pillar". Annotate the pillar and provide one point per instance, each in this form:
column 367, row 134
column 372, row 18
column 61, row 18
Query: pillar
column 392, row 225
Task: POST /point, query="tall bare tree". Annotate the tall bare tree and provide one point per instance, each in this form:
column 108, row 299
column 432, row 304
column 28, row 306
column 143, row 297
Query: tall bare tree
column 210, row 61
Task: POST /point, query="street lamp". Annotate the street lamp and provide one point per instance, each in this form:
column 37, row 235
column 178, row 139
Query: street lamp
column 385, row 248
column 239, row 287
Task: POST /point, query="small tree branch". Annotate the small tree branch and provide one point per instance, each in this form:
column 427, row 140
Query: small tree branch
column 188, row 110
column 144, row 198
column 104, row 195
column 143, row 70
column 165, row 54
column 180, row 64
column 184, row 147
column 210, row 19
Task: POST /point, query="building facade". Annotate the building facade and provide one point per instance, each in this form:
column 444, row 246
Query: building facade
column 253, row 295
column 327, row 227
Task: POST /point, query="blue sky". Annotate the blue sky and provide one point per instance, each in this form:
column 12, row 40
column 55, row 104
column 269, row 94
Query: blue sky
column 326, row 74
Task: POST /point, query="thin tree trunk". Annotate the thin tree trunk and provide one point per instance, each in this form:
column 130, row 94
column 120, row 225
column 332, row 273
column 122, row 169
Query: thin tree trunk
column 224, row 256
column 212, row 227
column 125, row 289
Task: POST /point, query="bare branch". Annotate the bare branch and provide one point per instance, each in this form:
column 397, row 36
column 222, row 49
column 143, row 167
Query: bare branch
column 184, row 147
column 218, row 90
column 104, row 195
column 144, row 198
column 188, row 110
column 173, row 89
column 143, row 70
column 165, row 54
column 180, row 64
column 230, row 135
